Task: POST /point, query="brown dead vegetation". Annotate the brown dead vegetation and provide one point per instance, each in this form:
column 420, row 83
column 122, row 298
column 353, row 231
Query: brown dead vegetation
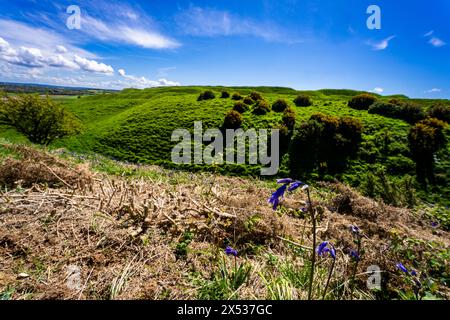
column 117, row 235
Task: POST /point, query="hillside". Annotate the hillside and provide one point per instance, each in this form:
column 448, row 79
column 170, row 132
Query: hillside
column 77, row 227
column 136, row 126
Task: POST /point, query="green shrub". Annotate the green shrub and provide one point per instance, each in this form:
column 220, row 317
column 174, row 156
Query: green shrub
column 255, row 96
column 412, row 113
column 289, row 118
column 41, row 120
column 249, row 101
column 362, row 101
column 206, row 95
column 236, row 96
column 408, row 112
column 280, row 105
column 440, row 112
column 303, row 101
column 385, row 109
column 233, row 120
column 225, row 95
column 240, row 107
column 261, row 107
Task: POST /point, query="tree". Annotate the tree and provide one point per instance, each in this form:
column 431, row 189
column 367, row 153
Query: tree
column 325, row 143
column 40, row 119
column 225, row 95
column 440, row 112
column 425, row 139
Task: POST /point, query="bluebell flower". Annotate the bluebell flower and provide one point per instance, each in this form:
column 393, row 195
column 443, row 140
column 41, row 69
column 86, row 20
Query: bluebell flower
column 324, row 248
column 414, row 273
column 284, row 181
column 355, row 230
column 402, row 267
column 296, row 185
column 229, row 251
column 354, row 255
column 279, row 193
column 434, row 224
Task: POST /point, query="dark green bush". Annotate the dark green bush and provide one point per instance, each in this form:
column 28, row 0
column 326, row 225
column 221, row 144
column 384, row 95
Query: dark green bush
column 255, row 96
column 289, row 118
column 280, row 105
column 303, row 101
column 240, row 107
column 225, row 95
column 440, row 112
column 233, row 120
column 362, row 101
column 325, row 143
column 206, row 95
column 249, row 101
column 412, row 113
column 385, row 109
column 261, row 107
column 41, row 120
column 236, row 96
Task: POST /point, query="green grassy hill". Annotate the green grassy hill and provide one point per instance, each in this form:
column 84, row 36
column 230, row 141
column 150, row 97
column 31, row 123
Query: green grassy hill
column 136, row 125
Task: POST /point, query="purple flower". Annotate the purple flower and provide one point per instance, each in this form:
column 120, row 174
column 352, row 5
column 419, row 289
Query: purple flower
column 402, row 267
column 355, row 230
column 413, row 273
column 279, row 193
column 284, row 181
column 355, row 255
column 296, row 185
column 434, row 224
column 229, row 251
column 324, row 248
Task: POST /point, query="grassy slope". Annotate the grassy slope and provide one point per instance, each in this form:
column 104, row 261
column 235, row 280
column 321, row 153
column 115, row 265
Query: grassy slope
column 136, row 125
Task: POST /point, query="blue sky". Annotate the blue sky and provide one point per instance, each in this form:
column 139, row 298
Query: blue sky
column 300, row 44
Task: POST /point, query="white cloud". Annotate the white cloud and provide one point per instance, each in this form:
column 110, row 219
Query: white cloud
column 92, row 65
column 143, row 82
column 434, row 90
column 202, row 22
column 436, row 42
column 61, row 49
column 36, row 58
column 429, row 34
column 378, row 90
column 383, row 44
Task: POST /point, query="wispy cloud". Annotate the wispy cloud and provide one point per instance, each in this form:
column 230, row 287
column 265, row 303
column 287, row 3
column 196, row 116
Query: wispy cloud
column 381, row 45
column 433, row 40
column 205, row 22
column 434, row 90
